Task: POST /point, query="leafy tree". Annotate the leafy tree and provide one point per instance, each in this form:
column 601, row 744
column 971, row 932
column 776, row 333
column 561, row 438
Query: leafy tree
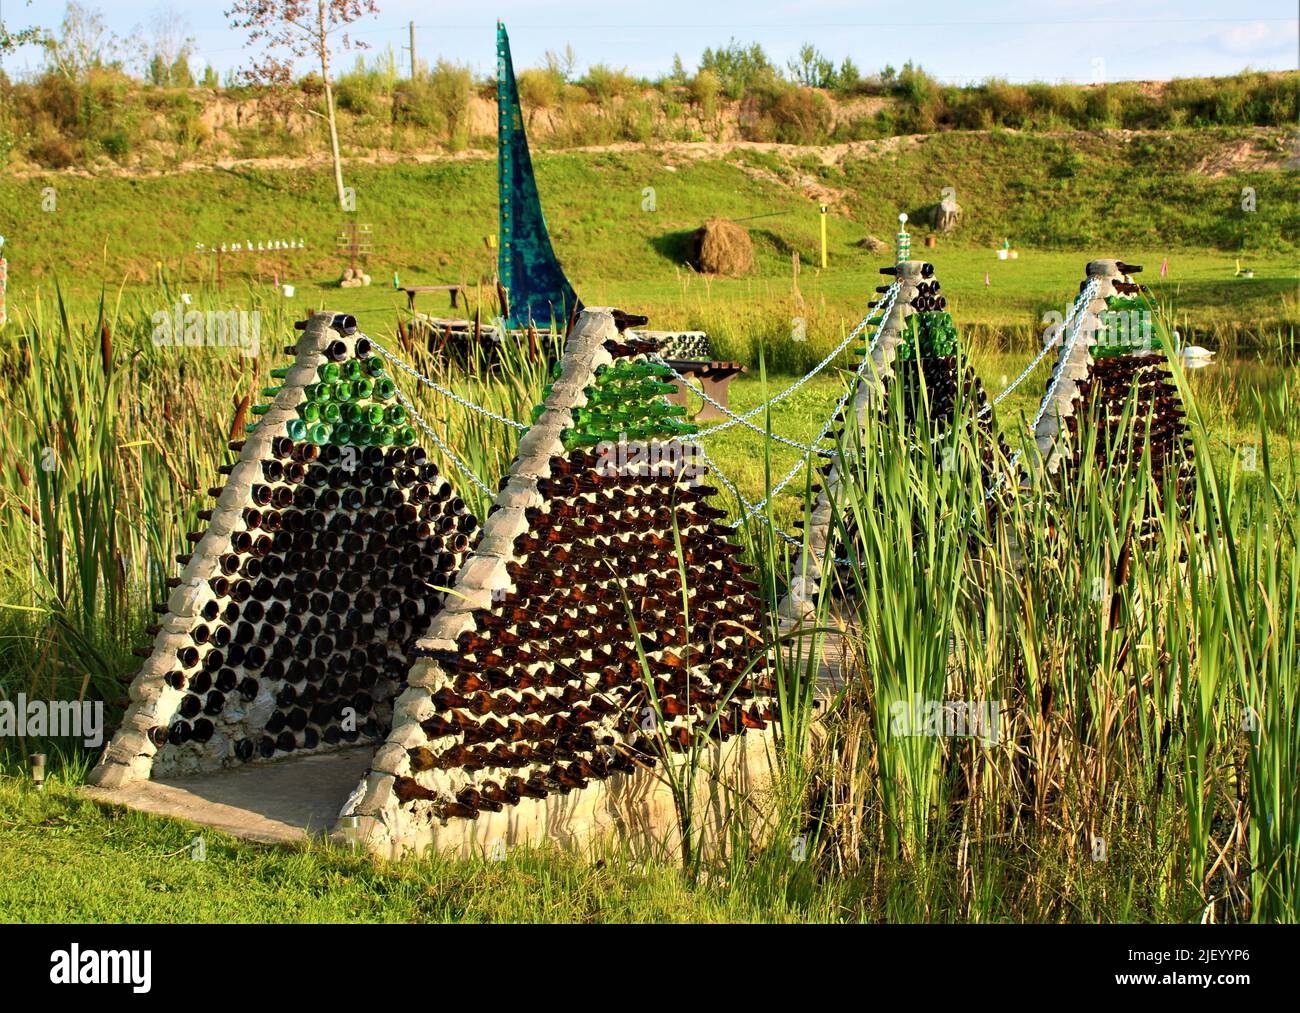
column 561, row 65
column 82, row 45
column 12, row 39
column 168, row 49
column 849, row 77
column 291, row 30
column 811, row 69
column 737, row 66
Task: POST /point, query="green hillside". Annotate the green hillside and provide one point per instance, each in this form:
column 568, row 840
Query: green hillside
column 1058, row 197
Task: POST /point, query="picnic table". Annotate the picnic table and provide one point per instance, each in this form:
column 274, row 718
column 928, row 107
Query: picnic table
column 712, row 377
column 413, row 290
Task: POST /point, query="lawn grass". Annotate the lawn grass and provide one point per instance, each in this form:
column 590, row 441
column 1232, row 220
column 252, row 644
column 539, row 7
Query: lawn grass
column 1061, row 199
column 140, row 431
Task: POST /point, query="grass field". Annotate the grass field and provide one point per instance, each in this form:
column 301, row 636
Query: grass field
column 108, row 441
column 1059, row 198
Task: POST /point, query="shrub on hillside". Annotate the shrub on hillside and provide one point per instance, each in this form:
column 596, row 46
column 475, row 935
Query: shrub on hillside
column 605, row 83
column 738, row 67
column 776, row 110
column 450, row 85
column 540, row 89
column 357, row 94
column 438, row 101
column 53, row 152
column 704, row 93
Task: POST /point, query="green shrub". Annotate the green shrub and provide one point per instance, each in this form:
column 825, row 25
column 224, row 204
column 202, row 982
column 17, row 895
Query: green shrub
column 605, row 83
column 438, row 101
column 704, row 93
column 776, row 110
column 116, row 144
column 737, row 67
column 540, row 89
column 450, row 85
column 355, row 93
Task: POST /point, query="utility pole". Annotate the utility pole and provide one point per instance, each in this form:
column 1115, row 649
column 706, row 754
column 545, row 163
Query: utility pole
column 823, row 209
column 411, row 47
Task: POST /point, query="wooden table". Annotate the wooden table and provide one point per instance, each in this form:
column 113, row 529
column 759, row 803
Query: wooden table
column 413, row 290
column 712, row 377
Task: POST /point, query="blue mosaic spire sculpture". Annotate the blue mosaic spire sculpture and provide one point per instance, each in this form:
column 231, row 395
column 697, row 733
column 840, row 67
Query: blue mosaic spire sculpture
column 537, row 290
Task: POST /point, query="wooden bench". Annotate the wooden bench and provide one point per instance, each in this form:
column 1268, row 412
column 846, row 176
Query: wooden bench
column 711, row 377
column 413, row 290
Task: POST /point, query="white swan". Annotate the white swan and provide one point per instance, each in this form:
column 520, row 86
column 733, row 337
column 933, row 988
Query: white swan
column 1193, row 356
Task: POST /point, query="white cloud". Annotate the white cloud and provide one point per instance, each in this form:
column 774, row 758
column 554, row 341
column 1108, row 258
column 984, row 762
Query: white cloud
column 1259, row 37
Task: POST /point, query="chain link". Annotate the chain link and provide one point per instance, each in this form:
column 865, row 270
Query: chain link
column 750, row 508
column 743, row 420
column 1085, row 297
column 830, row 421
column 451, row 454
column 434, row 385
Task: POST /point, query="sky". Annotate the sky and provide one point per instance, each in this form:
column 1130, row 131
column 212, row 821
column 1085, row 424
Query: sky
column 955, row 40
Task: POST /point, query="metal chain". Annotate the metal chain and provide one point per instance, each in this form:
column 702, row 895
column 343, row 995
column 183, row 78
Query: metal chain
column 1085, row 297
column 1073, row 311
column 464, row 403
column 753, row 508
column 830, row 421
column 743, row 420
column 745, row 504
column 804, row 447
column 465, row 469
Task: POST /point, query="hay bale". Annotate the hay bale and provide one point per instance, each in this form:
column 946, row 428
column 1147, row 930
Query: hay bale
column 720, row 247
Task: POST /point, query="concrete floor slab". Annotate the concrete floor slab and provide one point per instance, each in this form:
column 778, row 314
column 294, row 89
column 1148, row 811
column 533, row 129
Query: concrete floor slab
column 274, row 803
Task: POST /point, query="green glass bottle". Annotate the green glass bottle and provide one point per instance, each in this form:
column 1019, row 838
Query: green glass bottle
column 363, row 389
column 353, row 370
column 309, row 411
column 385, row 389
column 297, row 429
column 319, row 434
column 342, row 435
column 375, row 366
column 375, row 414
column 406, row 436
column 395, row 415
column 331, row 413
column 328, row 371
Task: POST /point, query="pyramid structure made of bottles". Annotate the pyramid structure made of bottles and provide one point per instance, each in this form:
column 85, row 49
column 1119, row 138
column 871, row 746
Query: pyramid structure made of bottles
column 292, row 625
column 1117, row 375
column 602, row 630
column 916, row 358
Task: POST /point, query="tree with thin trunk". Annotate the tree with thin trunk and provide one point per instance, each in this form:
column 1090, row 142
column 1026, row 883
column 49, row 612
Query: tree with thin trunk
column 292, row 29
column 12, row 39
